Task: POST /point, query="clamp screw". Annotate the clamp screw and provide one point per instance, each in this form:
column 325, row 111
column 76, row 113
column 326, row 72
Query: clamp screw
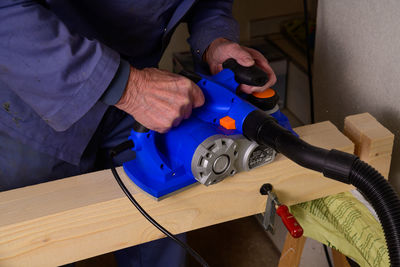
column 265, row 188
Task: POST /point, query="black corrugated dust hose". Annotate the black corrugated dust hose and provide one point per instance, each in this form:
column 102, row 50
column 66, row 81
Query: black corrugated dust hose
column 385, row 202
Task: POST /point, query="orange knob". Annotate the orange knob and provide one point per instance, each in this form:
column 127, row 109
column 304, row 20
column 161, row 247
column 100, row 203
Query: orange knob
column 265, row 94
column 228, row 123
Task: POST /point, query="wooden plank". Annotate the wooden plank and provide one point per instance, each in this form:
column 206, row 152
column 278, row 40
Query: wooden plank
column 373, row 142
column 83, row 216
column 291, row 252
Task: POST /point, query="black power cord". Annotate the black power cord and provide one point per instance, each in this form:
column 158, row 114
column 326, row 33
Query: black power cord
column 308, row 53
column 115, row 151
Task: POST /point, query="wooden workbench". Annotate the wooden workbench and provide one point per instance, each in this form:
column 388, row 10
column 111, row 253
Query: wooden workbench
column 83, row 216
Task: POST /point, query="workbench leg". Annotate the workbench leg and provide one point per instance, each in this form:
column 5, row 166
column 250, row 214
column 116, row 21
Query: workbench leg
column 339, row 260
column 291, row 252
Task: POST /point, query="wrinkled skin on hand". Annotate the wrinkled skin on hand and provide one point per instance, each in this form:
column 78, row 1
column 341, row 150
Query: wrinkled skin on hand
column 222, row 49
column 159, row 99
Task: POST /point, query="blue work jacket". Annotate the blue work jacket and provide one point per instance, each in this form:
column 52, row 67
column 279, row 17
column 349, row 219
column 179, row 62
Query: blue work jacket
column 58, row 59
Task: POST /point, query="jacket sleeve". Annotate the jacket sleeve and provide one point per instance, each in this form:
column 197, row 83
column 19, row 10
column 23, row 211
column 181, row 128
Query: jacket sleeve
column 59, row 74
column 209, row 20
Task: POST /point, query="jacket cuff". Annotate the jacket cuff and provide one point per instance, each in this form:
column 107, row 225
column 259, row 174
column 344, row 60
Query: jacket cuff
column 117, row 86
column 203, row 37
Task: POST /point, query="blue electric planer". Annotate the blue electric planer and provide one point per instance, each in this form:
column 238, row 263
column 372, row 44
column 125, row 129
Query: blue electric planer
column 210, row 145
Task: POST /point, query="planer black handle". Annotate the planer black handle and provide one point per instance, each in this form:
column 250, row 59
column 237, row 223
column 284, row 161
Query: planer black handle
column 246, row 75
column 138, row 127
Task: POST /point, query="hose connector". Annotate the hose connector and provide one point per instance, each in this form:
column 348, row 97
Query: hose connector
column 338, row 165
column 263, row 129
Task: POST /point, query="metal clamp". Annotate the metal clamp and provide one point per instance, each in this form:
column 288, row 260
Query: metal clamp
column 268, row 220
column 273, row 206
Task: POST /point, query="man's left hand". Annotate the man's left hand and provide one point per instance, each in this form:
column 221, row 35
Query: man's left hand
column 222, row 49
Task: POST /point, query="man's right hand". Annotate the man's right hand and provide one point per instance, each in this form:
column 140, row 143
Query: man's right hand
column 159, row 99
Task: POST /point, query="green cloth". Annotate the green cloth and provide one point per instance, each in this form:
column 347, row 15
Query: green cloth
column 342, row 222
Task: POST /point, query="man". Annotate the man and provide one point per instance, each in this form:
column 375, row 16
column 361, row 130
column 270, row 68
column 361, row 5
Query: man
column 74, row 74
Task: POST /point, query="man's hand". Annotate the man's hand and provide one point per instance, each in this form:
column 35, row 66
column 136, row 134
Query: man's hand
column 159, row 99
column 222, row 49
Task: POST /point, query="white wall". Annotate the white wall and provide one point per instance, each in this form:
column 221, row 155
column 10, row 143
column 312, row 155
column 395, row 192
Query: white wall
column 357, row 64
